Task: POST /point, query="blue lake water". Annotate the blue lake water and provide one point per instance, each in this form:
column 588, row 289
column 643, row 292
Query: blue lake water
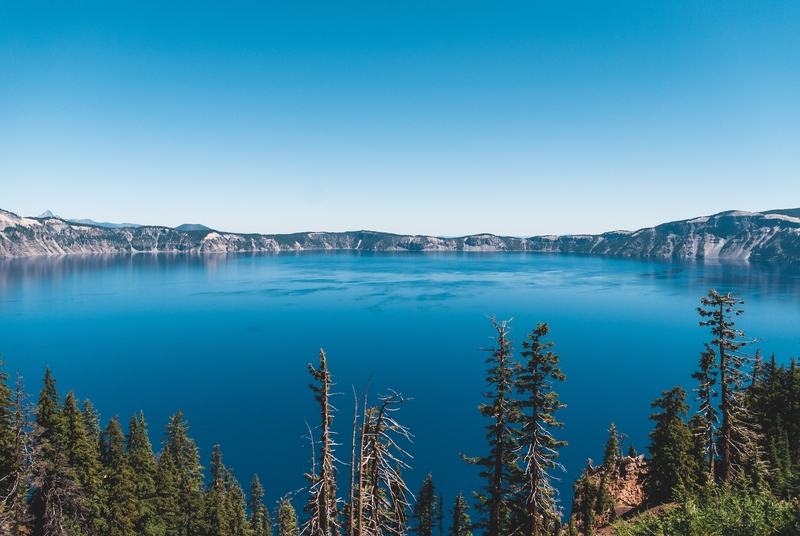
column 227, row 339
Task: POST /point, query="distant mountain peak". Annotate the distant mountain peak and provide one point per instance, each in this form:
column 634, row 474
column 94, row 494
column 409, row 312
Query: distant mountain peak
column 47, row 214
column 192, row 227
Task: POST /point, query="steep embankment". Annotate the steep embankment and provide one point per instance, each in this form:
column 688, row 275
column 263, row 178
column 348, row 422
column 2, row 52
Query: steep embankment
column 768, row 236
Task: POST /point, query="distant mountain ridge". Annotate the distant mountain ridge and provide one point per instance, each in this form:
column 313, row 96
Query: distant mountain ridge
column 773, row 235
column 48, row 214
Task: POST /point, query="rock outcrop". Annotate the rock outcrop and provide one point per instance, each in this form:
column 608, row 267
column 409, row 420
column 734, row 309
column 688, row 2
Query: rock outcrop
column 767, row 236
column 625, row 485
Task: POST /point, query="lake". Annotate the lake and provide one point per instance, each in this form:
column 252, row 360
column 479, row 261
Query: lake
column 227, row 339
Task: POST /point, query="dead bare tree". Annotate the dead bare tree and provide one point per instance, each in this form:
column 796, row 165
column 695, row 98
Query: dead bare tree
column 383, row 496
column 323, row 503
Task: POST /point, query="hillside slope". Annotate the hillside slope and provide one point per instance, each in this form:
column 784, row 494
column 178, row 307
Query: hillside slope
column 767, row 236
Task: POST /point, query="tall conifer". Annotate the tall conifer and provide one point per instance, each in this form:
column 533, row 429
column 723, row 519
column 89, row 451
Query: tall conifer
column 500, row 468
column 14, row 509
column 735, row 439
column 7, row 457
column 425, row 511
column 186, row 478
column 462, row 524
column 57, row 501
column 83, row 458
column 673, row 467
column 287, row 518
column 260, row 522
column 120, row 514
column 537, row 406
column 142, row 461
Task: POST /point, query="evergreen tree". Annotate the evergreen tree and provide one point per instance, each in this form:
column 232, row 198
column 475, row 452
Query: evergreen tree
column 500, row 468
column 91, row 421
column 83, row 458
column 440, row 513
column 425, row 509
column 611, row 450
column 57, row 501
column 14, row 508
column 589, row 498
column 260, row 522
column 120, row 513
column 224, row 502
column 142, row 461
column 705, row 426
column 183, row 477
column 287, row 518
column 237, row 509
column 167, row 500
column 214, row 501
column 536, row 414
column 672, row 467
column 6, row 439
column 462, row 524
column 735, row 439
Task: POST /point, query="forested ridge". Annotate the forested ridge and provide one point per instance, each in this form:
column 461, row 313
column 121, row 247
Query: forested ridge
column 723, row 459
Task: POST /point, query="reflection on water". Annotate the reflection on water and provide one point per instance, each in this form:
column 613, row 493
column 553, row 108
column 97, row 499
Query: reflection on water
column 436, row 271
column 13, row 271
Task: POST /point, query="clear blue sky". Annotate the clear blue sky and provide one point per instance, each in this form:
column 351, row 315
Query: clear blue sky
column 516, row 118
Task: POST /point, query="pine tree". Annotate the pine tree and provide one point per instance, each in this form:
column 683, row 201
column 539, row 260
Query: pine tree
column 536, row 415
column 215, row 499
column 611, row 451
column 324, row 519
column 120, row 513
column 183, row 476
column 672, row 467
column 83, row 458
column 12, row 457
column 500, row 468
column 14, row 509
column 462, row 524
column 440, row 513
column 7, row 455
column 705, row 426
column 57, row 501
column 736, row 438
column 260, row 522
column 589, row 498
column 142, row 461
column 425, row 509
column 237, row 509
column 91, row 421
column 167, row 499
column 287, row 518
column 224, row 502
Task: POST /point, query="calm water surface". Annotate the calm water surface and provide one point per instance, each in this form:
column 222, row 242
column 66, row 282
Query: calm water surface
column 227, row 340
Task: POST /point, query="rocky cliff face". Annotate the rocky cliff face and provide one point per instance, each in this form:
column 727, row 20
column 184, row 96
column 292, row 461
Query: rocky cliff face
column 624, row 482
column 768, row 236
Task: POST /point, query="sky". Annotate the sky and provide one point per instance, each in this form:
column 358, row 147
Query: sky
column 515, row 118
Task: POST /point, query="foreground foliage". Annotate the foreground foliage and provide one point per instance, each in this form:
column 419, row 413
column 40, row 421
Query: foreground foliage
column 721, row 511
